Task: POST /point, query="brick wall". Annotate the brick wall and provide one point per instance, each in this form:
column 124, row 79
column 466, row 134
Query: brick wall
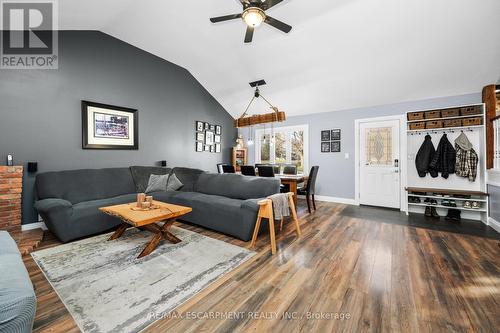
column 11, row 187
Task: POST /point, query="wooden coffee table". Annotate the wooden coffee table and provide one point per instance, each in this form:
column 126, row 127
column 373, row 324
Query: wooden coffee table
column 147, row 220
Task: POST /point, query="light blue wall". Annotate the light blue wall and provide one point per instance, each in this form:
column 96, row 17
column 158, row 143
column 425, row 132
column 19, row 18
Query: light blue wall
column 336, row 175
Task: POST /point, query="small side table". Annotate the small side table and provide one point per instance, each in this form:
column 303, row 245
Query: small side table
column 266, row 212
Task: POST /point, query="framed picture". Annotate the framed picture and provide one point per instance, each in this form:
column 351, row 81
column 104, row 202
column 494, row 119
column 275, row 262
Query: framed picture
column 212, row 128
column 109, row 127
column 217, row 139
column 336, row 134
column 335, row 147
column 199, row 126
column 325, row 135
column 199, row 146
column 209, row 138
column 200, row 136
column 217, row 148
column 207, row 126
column 212, row 149
column 325, row 147
column 207, row 148
column 218, row 130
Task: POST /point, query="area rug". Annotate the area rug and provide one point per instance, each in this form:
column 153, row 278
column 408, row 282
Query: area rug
column 107, row 289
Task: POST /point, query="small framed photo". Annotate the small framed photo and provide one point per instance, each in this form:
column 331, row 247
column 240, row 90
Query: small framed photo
column 199, row 126
column 218, row 130
column 217, row 139
column 207, row 148
column 335, row 147
column 217, row 148
column 325, row 135
column 207, row 126
column 199, row 146
column 212, row 149
column 336, row 134
column 325, row 147
column 209, row 138
column 212, row 128
column 200, row 136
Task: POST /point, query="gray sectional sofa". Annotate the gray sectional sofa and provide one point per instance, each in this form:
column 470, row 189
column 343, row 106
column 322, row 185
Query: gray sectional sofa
column 68, row 201
column 17, row 297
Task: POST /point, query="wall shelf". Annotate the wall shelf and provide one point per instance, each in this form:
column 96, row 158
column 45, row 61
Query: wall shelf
column 446, row 129
column 446, row 118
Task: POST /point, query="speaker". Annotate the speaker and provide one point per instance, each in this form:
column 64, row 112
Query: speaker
column 163, row 163
column 32, row 167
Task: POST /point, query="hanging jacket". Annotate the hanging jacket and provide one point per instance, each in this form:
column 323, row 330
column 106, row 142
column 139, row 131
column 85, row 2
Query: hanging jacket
column 444, row 159
column 467, row 159
column 424, row 156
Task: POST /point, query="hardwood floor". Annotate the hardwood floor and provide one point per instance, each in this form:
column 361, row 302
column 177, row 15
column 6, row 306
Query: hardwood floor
column 351, row 273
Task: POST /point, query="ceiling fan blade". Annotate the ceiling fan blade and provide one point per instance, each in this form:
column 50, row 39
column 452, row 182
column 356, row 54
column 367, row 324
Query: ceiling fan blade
column 225, row 18
column 278, row 24
column 249, row 35
column 270, row 3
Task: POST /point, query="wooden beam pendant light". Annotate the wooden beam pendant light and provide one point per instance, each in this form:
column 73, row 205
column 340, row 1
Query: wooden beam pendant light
column 275, row 116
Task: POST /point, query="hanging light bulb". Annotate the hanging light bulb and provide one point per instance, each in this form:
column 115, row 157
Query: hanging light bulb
column 250, row 140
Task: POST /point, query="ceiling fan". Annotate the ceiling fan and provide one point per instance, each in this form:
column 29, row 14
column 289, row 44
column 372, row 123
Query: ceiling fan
column 254, row 13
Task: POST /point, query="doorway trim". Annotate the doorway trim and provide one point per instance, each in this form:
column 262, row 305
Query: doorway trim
column 402, row 154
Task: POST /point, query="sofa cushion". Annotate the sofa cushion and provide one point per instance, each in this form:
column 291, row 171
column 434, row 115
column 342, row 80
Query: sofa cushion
column 157, row 183
column 96, row 204
column 84, row 185
column 173, row 183
column 188, row 177
column 140, row 175
column 237, row 186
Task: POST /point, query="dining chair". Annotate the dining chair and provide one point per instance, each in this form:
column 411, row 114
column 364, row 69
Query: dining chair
column 228, row 169
column 219, row 167
column 290, row 169
column 248, row 170
column 276, row 169
column 310, row 188
column 266, row 171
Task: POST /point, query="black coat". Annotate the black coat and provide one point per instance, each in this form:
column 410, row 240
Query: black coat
column 424, row 157
column 445, row 158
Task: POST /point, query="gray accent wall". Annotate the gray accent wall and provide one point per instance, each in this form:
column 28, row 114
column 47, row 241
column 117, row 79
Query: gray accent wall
column 40, row 110
column 336, row 177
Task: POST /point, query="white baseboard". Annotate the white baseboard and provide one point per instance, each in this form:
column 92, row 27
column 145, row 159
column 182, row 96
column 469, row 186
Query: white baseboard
column 32, row 226
column 335, row 199
column 494, row 224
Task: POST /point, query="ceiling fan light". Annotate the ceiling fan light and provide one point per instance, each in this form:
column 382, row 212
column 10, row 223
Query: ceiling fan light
column 253, row 16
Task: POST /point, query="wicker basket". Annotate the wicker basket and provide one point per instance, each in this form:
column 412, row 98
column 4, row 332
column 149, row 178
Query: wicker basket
column 415, row 116
column 452, row 122
column 472, row 121
column 432, row 114
column 471, row 110
column 417, row 126
column 448, row 113
column 434, row 124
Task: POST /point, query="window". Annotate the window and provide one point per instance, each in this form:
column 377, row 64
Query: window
column 288, row 146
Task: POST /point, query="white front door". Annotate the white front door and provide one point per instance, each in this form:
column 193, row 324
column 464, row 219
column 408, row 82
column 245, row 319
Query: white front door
column 379, row 178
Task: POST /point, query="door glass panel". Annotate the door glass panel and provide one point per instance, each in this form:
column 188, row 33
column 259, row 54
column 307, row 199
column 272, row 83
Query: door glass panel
column 379, row 146
column 298, row 150
column 280, row 148
column 265, row 148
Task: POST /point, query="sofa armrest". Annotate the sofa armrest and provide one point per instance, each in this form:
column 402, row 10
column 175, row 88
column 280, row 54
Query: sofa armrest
column 251, row 204
column 48, row 206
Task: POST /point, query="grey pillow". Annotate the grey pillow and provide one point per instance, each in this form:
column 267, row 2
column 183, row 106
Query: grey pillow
column 174, row 183
column 157, row 183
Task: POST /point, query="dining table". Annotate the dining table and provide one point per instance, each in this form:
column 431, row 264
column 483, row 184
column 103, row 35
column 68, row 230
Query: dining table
column 292, row 181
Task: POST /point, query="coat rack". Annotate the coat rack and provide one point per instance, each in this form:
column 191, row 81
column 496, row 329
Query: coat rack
column 443, row 130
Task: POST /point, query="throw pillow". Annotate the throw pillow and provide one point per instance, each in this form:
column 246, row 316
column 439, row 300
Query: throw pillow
column 157, row 183
column 174, row 183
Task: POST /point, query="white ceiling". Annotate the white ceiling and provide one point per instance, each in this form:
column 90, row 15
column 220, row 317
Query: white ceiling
column 341, row 54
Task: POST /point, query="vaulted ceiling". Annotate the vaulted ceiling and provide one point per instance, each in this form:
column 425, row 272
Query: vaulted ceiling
column 341, row 54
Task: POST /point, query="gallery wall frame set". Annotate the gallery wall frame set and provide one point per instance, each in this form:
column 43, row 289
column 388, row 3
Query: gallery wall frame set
column 208, row 137
column 330, row 141
column 109, row 127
